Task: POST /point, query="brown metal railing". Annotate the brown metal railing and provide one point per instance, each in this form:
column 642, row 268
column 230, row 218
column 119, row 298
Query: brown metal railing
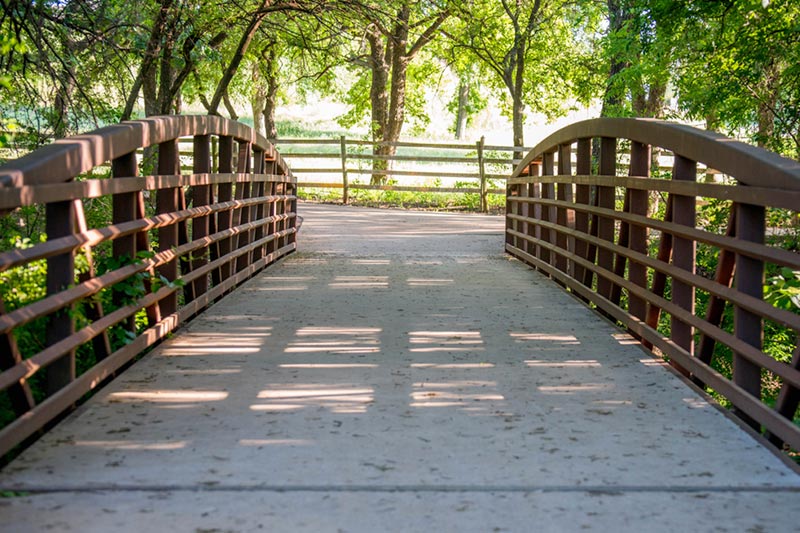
column 185, row 239
column 591, row 232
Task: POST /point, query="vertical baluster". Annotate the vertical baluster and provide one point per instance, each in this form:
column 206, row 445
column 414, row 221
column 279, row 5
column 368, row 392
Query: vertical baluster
column 185, row 261
column 167, row 202
column 225, row 194
column 60, row 275
column 201, row 196
column 638, row 203
column 548, row 213
column 93, row 308
column 789, row 397
column 258, row 210
column 565, row 217
column 683, row 255
column 606, row 199
column 659, row 283
column 19, row 394
column 272, row 206
column 716, row 305
column 124, row 208
column 292, row 189
column 512, row 208
column 535, row 210
column 583, row 195
column 749, row 280
column 243, row 193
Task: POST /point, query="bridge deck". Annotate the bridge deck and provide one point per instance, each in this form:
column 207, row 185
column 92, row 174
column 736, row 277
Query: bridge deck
column 399, row 373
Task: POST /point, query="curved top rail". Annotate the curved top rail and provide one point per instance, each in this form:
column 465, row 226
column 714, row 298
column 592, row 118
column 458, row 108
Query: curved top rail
column 69, row 157
column 749, row 164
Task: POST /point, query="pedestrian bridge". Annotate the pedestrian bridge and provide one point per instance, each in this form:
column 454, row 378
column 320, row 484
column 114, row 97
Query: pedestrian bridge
column 396, row 370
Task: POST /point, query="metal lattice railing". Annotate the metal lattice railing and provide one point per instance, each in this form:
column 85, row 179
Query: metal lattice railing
column 592, row 231
column 178, row 243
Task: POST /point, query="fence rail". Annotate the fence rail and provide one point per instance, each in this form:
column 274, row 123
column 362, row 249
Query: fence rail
column 197, row 237
column 565, row 221
column 471, row 165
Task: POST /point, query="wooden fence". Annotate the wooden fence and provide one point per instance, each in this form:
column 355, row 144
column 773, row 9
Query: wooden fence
column 233, row 215
column 473, row 162
column 564, row 220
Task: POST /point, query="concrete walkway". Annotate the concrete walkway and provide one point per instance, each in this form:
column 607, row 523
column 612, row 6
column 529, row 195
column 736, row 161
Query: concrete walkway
column 399, row 374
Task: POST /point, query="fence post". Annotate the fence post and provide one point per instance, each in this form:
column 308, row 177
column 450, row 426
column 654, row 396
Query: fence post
column 345, row 185
column 482, row 175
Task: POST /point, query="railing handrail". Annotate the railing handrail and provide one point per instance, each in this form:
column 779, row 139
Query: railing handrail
column 749, row 164
column 69, row 157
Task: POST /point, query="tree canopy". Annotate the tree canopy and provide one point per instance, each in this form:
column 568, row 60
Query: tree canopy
column 72, row 65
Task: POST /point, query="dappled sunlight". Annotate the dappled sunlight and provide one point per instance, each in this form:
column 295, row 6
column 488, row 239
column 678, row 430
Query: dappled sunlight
column 625, row 339
column 206, row 371
column 371, row 261
column 132, row 445
column 447, row 366
column 445, row 341
column 359, row 282
column 242, row 341
column 208, row 350
column 576, row 363
column 561, row 340
column 649, row 361
column 167, row 396
column 464, row 394
column 697, row 403
column 336, row 340
column 429, row 282
column 337, row 398
column 576, row 388
column 283, row 283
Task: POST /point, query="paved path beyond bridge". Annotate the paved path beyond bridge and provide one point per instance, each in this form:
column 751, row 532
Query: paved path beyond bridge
column 399, row 373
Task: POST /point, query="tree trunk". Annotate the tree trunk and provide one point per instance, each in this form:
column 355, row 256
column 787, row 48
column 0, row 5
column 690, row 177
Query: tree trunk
column 461, row 115
column 612, row 98
column 518, row 124
column 229, row 106
column 258, row 98
column 379, row 101
column 241, row 50
column 272, row 96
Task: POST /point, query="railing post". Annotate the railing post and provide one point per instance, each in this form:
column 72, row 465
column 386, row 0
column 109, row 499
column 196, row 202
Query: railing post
column 345, row 183
column 565, row 217
column 534, row 211
column 272, row 208
column 60, row 275
column 259, row 163
column 749, row 279
column 583, row 195
column 167, row 202
column 548, row 213
column 683, row 256
column 484, row 205
column 19, row 394
column 606, row 199
column 201, row 196
column 225, row 194
column 637, row 241
column 243, row 192
column 124, row 210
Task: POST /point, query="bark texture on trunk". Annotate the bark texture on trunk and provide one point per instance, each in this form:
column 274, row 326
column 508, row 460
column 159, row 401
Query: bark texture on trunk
column 461, row 114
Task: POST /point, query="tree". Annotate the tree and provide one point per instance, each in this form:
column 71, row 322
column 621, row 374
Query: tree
column 391, row 36
column 534, row 48
column 753, row 50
